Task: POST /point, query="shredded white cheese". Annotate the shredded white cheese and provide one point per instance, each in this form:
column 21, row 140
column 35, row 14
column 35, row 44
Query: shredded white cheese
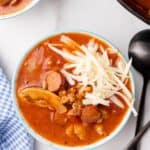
column 116, row 101
column 91, row 66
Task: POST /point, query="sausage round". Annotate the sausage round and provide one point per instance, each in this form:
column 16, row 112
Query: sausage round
column 54, row 81
column 90, row 114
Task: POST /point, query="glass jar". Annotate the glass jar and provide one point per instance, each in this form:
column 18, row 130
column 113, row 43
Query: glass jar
column 139, row 8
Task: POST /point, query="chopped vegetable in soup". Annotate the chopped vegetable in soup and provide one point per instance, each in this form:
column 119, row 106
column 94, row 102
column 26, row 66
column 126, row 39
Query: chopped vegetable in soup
column 12, row 6
column 74, row 89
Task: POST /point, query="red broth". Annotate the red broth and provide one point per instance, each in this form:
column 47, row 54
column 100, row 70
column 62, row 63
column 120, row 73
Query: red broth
column 10, row 9
column 39, row 119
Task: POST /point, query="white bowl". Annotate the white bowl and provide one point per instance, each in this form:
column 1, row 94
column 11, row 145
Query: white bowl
column 52, row 144
column 26, row 8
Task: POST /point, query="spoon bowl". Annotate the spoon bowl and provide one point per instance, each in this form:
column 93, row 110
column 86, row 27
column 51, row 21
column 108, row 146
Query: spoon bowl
column 139, row 50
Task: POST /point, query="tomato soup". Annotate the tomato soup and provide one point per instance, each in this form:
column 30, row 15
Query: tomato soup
column 13, row 6
column 68, row 89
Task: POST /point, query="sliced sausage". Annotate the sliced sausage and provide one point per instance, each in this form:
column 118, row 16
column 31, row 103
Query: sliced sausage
column 90, row 114
column 54, row 81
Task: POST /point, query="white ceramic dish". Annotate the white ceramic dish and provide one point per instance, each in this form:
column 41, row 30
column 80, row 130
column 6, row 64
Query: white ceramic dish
column 54, row 145
column 26, row 8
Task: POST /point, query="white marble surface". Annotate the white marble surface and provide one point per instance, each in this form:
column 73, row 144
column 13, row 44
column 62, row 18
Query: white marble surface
column 105, row 17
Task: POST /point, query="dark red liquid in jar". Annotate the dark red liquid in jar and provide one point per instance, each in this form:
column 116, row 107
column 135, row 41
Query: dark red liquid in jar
column 144, row 3
column 140, row 6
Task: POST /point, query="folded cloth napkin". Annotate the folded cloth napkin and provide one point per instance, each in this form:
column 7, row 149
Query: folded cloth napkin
column 13, row 136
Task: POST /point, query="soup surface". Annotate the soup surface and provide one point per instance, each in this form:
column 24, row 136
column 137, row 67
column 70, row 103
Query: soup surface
column 74, row 89
column 12, row 6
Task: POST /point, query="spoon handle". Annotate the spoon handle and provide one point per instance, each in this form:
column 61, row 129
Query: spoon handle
column 138, row 136
column 141, row 109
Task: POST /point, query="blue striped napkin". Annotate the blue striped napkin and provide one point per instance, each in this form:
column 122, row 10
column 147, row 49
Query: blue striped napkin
column 13, row 136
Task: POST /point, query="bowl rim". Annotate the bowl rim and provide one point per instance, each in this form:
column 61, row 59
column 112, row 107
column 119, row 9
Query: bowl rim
column 51, row 144
column 21, row 11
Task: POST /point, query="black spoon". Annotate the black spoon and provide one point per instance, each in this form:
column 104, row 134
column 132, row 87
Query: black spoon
column 138, row 137
column 139, row 51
